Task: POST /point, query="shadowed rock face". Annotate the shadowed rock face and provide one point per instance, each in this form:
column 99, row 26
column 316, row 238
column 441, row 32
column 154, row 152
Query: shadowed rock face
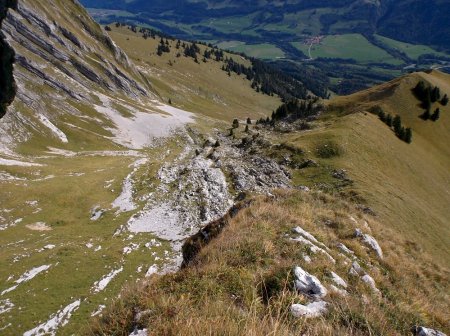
column 7, row 84
column 71, row 44
column 63, row 62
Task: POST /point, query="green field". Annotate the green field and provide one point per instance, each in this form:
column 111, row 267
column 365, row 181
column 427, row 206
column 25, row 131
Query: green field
column 230, row 24
column 263, row 51
column 348, row 46
column 411, row 50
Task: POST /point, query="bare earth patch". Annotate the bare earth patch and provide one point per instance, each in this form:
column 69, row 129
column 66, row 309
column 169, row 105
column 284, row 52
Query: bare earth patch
column 39, row 226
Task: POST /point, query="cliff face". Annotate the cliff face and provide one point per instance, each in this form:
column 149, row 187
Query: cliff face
column 7, row 85
column 64, row 37
column 62, row 59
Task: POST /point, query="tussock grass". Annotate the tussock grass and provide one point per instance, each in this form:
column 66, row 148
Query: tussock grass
column 241, row 283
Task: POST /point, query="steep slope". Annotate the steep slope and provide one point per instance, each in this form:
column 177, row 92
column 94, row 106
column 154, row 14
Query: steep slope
column 194, row 86
column 102, row 182
column 71, row 59
column 405, row 183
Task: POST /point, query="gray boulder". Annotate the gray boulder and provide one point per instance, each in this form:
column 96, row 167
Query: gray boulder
column 314, row 309
column 308, row 284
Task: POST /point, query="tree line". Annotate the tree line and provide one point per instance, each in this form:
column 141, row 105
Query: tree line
column 294, row 109
column 267, row 79
column 395, row 123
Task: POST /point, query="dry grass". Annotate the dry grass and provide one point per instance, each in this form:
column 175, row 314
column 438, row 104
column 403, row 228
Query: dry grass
column 405, row 184
column 240, row 284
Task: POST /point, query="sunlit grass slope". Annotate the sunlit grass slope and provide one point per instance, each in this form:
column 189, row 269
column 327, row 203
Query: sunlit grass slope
column 406, row 184
column 202, row 88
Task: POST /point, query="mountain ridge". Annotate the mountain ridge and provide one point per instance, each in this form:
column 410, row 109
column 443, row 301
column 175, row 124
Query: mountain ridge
column 122, row 150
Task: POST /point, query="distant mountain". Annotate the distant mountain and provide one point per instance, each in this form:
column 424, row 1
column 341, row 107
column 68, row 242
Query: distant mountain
column 413, row 21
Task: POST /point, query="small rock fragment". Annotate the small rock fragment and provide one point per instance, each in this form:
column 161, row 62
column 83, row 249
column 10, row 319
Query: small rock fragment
column 314, row 309
column 139, row 332
column 369, row 280
column 423, row 331
column 356, row 270
column 344, row 249
column 370, row 241
column 338, row 280
column 340, row 291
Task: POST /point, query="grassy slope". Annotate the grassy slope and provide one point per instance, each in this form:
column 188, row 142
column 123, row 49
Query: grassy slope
column 413, row 51
column 201, row 88
column 263, row 51
column 221, row 293
column 405, row 185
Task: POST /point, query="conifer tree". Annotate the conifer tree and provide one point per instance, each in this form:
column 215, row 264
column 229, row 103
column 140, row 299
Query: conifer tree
column 427, row 99
column 435, row 94
column 408, row 135
column 235, row 123
column 435, row 115
column 389, row 120
column 401, row 133
column 444, row 100
column 397, row 123
column 426, row 115
column 249, row 121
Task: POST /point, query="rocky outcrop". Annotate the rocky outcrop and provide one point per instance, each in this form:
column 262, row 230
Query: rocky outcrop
column 63, row 61
column 308, row 284
column 248, row 171
column 33, row 68
column 195, row 243
column 57, row 42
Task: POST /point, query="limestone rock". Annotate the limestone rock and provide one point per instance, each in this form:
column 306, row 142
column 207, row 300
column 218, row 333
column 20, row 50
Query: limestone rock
column 139, row 332
column 338, row 280
column 423, row 331
column 314, row 309
column 308, row 284
column 356, row 269
column 344, row 249
column 369, row 280
column 370, row 241
column 340, row 291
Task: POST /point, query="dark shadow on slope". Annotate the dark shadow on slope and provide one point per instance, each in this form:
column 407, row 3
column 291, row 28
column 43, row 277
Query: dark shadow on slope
column 7, row 84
